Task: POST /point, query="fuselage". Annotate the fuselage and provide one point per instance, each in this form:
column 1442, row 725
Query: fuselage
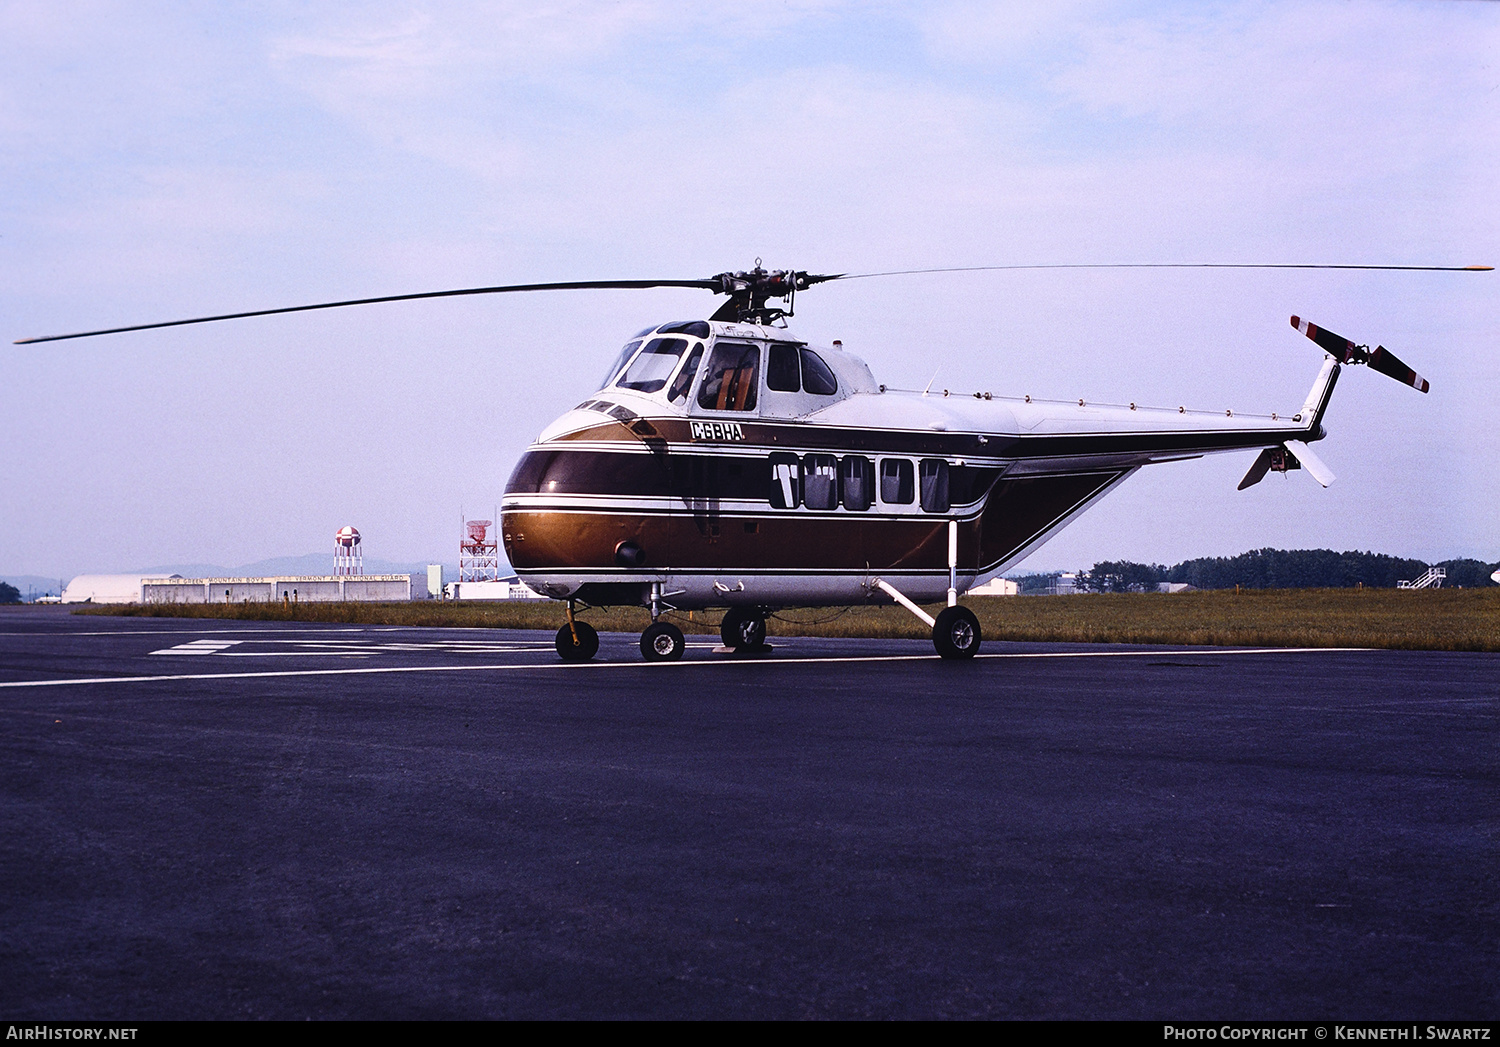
column 734, row 465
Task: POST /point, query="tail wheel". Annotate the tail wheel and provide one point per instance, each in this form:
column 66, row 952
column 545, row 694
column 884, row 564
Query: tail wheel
column 742, row 629
column 662, row 642
column 956, row 633
column 585, row 648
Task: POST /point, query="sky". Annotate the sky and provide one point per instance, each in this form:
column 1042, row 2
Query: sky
column 169, row 160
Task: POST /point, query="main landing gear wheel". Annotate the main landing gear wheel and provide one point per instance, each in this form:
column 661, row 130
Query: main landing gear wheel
column 662, row 642
column 956, row 633
column 743, row 630
column 586, row 647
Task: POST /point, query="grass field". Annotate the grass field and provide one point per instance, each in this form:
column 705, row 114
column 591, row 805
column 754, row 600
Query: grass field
column 1427, row 619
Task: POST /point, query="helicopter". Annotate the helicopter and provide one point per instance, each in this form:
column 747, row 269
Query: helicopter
column 724, row 463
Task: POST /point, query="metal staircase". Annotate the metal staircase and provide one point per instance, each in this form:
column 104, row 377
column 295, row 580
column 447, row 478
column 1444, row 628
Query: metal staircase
column 1433, row 579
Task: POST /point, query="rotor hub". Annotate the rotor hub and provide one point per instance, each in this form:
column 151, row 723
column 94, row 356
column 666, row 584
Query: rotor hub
column 749, row 291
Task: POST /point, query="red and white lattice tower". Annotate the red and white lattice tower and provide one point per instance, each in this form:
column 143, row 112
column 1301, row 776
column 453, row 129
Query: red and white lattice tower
column 478, row 553
column 348, row 558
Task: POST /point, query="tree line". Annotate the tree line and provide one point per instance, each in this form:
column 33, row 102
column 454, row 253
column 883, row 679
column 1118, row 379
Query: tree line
column 1267, row 569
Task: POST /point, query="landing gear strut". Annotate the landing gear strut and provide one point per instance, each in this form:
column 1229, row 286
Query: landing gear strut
column 955, row 631
column 662, row 641
column 577, row 641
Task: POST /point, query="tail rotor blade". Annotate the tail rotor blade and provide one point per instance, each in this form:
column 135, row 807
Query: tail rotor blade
column 1384, row 361
column 1311, row 462
column 1259, row 468
column 1345, row 350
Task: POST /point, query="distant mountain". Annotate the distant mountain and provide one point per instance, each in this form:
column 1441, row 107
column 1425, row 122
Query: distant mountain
column 187, row 570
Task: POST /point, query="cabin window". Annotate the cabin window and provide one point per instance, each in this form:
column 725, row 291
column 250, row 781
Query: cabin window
column 786, row 481
column 817, row 377
column 684, row 379
column 796, row 368
column 651, row 368
column 696, row 328
column 782, row 371
column 934, row 474
column 730, row 379
column 857, row 482
column 620, row 362
column 967, row 484
column 820, row 481
column 897, row 481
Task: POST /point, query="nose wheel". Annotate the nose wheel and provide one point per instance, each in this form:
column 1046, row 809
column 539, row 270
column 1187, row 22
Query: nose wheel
column 577, row 642
column 662, row 642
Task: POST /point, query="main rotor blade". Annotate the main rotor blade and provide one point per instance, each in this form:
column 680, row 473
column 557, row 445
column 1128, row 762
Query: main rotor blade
column 571, row 285
column 717, row 284
column 1174, row 265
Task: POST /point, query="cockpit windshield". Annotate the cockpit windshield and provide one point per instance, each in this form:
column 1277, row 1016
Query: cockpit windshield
column 649, row 371
column 620, row 361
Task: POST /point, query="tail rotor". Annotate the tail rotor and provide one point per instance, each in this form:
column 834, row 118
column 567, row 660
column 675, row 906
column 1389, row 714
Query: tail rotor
column 1346, row 352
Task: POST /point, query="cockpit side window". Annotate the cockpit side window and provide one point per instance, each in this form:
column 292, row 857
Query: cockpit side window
column 817, row 376
column 731, row 377
column 620, row 362
column 782, row 372
column 684, row 379
column 649, row 371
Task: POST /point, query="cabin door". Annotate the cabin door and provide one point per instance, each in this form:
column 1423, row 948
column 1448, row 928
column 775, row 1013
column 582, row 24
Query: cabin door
column 728, row 397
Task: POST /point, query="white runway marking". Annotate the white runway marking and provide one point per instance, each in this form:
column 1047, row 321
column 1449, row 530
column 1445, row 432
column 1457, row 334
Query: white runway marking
column 200, row 647
column 350, row 648
column 584, row 666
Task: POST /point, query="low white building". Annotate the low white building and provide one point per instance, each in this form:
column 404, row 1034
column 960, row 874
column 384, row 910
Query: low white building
column 995, row 587
column 324, row 588
column 503, row 589
column 135, row 588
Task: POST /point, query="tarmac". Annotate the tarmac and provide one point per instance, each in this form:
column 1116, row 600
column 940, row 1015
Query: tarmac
column 205, row 819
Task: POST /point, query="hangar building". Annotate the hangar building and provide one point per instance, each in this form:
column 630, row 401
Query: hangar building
column 294, row 588
column 134, row 588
